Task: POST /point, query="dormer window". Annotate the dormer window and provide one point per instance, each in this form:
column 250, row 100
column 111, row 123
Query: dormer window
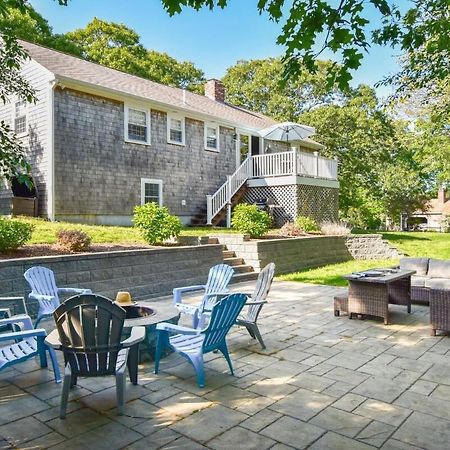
column 212, row 137
column 175, row 129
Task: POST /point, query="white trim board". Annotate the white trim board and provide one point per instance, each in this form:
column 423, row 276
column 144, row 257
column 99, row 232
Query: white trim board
column 291, row 179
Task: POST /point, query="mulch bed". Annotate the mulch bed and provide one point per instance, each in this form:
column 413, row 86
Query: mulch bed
column 31, row 251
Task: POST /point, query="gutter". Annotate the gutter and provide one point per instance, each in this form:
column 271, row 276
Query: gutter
column 51, row 152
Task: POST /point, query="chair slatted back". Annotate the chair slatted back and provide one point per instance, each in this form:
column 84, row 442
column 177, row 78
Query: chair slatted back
column 90, row 329
column 218, row 278
column 262, row 288
column 223, row 317
column 42, row 281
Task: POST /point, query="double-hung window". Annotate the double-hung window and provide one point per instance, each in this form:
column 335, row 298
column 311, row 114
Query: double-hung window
column 175, row 129
column 212, row 137
column 151, row 191
column 20, row 117
column 137, row 125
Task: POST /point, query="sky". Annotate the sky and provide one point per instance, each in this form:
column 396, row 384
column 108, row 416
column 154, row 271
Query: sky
column 212, row 40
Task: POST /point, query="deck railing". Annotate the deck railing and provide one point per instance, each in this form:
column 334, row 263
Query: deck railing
column 270, row 165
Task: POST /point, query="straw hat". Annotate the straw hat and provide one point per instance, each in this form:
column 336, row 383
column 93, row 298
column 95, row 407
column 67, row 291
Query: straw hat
column 123, row 298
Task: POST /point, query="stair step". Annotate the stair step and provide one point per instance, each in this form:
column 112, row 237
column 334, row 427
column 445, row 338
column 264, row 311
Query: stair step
column 234, row 261
column 243, row 268
column 240, row 277
column 213, row 240
column 228, row 254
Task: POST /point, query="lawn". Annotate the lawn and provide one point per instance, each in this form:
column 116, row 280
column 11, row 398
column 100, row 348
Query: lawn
column 45, row 232
column 433, row 245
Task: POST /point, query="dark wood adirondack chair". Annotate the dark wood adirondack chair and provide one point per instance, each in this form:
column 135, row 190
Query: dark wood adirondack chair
column 89, row 330
column 256, row 302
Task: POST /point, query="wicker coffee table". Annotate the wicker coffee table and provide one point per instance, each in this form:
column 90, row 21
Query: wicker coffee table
column 371, row 295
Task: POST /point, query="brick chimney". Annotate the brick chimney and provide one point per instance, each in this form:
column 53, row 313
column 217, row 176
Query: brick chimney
column 442, row 196
column 215, row 90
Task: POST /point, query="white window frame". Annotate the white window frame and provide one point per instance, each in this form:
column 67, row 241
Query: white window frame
column 183, row 128
column 148, row 124
column 13, row 117
column 217, row 127
column 145, row 181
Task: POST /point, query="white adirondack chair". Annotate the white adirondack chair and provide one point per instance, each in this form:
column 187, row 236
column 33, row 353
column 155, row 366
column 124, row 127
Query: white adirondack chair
column 215, row 288
column 44, row 290
column 29, row 343
column 256, row 302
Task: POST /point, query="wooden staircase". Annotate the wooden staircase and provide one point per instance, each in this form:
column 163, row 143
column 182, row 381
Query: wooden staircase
column 242, row 271
column 220, row 218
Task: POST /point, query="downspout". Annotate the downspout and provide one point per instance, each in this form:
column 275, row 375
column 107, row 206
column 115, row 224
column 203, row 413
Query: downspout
column 51, row 153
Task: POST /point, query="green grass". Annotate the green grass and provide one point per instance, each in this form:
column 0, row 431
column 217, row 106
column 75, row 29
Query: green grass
column 332, row 274
column 432, row 245
column 45, row 232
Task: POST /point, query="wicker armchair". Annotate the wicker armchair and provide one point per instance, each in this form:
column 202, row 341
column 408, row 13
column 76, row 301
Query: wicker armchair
column 439, row 310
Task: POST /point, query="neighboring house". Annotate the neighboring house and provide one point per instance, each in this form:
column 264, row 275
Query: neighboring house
column 101, row 141
column 435, row 215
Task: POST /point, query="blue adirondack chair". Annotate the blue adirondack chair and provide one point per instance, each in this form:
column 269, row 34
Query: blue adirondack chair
column 44, row 290
column 218, row 278
column 29, row 342
column 192, row 343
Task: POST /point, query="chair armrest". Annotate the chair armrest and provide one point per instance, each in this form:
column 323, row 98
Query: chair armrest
column 22, row 334
column 255, row 303
column 137, row 335
column 172, row 328
column 177, row 292
column 52, row 340
column 19, row 299
column 74, row 291
column 41, row 296
column 19, row 319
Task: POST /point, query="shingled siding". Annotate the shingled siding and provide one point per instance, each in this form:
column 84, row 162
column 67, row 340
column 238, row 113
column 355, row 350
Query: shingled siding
column 144, row 273
column 98, row 174
column 36, row 140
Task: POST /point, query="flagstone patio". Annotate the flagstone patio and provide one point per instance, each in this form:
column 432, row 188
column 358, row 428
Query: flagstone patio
column 324, row 382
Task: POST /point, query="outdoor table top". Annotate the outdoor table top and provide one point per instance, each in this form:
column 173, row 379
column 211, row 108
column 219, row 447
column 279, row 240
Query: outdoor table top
column 164, row 311
column 387, row 275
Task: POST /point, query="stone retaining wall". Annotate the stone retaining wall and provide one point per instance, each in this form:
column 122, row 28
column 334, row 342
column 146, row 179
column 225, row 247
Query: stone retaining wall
column 144, row 273
column 291, row 255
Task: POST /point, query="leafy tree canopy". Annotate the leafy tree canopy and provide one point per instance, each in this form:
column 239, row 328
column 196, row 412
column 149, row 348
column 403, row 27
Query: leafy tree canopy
column 422, row 33
column 119, row 47
column 256, row 85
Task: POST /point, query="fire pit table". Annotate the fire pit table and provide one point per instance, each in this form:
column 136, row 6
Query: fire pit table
column 148, row 316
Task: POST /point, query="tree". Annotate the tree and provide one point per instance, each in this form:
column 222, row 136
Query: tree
column 379, row 170
column 13, row 162
column 342, row 28
column 256, row 85
column 119, row 47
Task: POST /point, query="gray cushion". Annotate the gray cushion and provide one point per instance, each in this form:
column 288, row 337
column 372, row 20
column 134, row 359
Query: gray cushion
column 418, row 281
column 420, row 265
column 438, row 283
column 439, row 268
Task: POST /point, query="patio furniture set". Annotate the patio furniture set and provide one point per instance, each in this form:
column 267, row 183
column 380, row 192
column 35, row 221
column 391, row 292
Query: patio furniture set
column 91, row 330
column 416, row 280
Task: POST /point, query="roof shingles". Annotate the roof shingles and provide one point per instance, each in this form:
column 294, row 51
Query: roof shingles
column 76, row 69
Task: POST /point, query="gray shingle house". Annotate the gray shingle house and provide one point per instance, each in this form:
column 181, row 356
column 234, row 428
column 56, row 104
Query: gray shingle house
column 101, row 141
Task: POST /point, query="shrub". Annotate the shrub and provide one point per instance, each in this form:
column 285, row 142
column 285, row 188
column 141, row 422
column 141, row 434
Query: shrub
column 155, row 223
column 307, row 224
column 335, row 228
column 73, row 240
column 290, row 229
column 249, row 219
column 14, row 234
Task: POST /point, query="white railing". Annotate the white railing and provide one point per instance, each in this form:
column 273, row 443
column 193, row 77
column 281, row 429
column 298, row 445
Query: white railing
column 271, row 165
column 222, row 197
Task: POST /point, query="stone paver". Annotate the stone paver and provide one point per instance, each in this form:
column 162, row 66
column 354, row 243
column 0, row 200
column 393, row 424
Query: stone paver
column 293, row 432
column 323, row 382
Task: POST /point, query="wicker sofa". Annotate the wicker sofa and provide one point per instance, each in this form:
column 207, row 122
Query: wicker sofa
column 431, row 275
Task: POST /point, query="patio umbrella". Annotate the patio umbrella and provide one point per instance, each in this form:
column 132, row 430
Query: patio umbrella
column 287, row 132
